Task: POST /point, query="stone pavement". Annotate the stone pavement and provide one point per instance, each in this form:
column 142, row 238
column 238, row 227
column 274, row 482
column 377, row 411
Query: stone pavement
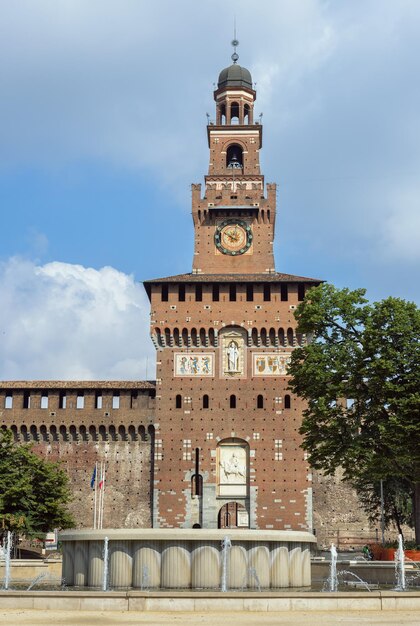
column 122, row 618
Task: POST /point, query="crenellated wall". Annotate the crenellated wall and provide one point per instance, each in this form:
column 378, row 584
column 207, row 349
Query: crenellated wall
column 81, row 423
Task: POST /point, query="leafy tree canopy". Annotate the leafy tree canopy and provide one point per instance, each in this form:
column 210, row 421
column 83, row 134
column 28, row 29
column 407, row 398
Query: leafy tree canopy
column 360, row 378
column 33, row 492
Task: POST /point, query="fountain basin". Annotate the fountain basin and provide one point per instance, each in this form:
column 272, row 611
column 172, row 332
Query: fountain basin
column 186, row 559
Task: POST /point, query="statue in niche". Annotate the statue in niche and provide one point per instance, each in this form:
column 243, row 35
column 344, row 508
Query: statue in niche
column 232, row 356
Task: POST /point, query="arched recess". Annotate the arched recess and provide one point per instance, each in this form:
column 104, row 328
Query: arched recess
column 234, row 113
column 232, row 468
column 254, row 337
column 203, row 336
column 211, row 337
column 185, row 337
column 194, row 339
column 234, row 156
column 233, row 515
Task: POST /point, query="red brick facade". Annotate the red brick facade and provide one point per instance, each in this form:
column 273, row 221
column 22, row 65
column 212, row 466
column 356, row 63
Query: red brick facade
column 227, row 443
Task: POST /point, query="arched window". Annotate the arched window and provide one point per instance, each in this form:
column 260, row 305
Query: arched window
column 290, row 336
column 205, row 401
column 260, row 401
column 234, row 158
column 178, row 401
column 234, row 113
column 176, row 337
column 246, row 114
column 233, row 401
column 287, row 403
column 223, row 114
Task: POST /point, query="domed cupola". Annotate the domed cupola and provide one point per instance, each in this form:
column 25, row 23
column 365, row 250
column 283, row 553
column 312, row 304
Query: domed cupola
column 234, row 94
column 235, row 76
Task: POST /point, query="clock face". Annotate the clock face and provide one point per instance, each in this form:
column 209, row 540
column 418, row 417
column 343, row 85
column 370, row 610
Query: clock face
column 233, row 237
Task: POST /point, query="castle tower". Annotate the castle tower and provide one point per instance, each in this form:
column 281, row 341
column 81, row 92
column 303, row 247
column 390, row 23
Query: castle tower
column 227, row 448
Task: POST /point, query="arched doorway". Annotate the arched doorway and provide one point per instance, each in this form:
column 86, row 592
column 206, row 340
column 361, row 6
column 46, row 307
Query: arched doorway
column 233, row 515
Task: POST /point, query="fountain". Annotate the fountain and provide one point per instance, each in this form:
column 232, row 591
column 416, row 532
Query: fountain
column 36, row 580
column 399, row 559
column 226, row 545
column 7, row 557
column 249, row 577
column 181, row 558
column 333, row 579
column 106, row 562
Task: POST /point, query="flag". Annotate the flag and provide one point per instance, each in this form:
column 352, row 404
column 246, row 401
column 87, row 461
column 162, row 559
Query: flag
column 101, row 483
column 92, row 480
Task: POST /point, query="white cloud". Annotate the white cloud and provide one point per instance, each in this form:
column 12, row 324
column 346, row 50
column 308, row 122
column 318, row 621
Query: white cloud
column 62, row 321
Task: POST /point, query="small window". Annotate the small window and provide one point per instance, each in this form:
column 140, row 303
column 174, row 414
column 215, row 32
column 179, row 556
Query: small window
column 44, row 400
column 181, row 293
column 216, row 293
column 26, row 400
column 165, row 293
column 250, row 293
column 287, row 402
column 232, row 293
column 233, row 401
column 205, row 401
column 62, row 400
column 260, row 401
column 178, row 401
column 198, row 293
column 8, row 401
column 301, row 291
column 284, row 294
column 98, row 399
column 116, row 400
column 267, row 293
column 80, row 400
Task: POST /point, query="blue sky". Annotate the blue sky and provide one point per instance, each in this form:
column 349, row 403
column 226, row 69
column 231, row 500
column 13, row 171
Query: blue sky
column 102, row 131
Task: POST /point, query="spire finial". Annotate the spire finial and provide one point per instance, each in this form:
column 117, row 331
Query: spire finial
column 235, row 43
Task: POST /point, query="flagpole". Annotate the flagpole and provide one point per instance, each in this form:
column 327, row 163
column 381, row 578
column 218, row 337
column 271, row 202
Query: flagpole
column 103, row 498
column 95, row 497
column 100, row 498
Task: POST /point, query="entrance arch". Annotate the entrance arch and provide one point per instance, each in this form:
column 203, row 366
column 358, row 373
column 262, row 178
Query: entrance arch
column 233, row 515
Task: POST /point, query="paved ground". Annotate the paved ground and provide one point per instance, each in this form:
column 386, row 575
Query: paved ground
column 121, row 618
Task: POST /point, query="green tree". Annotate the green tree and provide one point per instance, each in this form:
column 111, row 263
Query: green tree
column 33, row 492
column 359, row 376
column 398, row 500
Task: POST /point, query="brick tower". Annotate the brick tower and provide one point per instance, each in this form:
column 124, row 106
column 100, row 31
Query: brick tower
column 227, row 448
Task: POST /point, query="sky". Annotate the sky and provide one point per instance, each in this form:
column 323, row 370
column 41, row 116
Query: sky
column 103, row 130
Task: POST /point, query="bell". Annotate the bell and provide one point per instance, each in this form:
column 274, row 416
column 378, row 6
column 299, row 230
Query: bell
column 234, row 163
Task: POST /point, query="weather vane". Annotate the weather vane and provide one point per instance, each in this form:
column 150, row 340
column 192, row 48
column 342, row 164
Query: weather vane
column 235, row 43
